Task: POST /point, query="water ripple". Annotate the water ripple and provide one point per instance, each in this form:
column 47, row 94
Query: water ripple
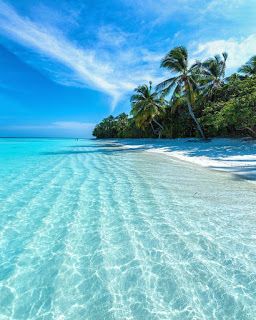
column 90, row 231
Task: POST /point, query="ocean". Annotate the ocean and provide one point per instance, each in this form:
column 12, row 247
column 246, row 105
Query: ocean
column 92, row 230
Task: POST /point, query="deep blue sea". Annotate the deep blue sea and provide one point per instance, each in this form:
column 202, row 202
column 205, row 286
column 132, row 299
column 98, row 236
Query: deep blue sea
column 92, row 230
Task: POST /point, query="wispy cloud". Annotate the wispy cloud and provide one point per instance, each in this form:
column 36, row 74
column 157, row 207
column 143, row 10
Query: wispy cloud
column 161, row 8
column 53, row 44
column 192, row 11
column 114, row 73
column 109, row 35
column 219, row 5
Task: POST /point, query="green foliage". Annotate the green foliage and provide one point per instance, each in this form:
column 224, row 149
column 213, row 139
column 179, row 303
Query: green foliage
column 183, row 84
column 234, row 110
column 147, row 106
column 210, row 74
column 200, row 94
column 106, row 128
column 177, row 123
column 120, row 127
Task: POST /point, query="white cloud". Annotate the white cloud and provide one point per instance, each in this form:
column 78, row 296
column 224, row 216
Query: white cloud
column 114, row 73
column 239, row 50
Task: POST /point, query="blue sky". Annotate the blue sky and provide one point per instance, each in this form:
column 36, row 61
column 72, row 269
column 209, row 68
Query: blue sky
column 67, row 64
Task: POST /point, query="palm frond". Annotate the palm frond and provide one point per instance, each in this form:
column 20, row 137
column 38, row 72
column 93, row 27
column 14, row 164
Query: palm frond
column 249, row 69
column 176, row 60
column 166, row 84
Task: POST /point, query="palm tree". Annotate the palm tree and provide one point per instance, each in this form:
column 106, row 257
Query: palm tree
column 147, row 105
column 212, row 73
column 249, row 69
column 183, row 83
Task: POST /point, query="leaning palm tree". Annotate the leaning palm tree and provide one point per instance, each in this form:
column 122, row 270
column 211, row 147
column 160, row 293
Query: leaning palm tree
column 147, row 105
column 212, row 73
column 249, row 69
column 183, row 84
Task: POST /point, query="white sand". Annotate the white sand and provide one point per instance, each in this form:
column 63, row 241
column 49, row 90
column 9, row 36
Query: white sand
column 237, row 156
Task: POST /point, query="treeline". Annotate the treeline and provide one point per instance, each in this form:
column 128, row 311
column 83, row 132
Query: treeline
column 196, row 100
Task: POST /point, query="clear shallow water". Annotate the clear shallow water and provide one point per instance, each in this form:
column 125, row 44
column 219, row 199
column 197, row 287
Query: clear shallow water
column 89, row 230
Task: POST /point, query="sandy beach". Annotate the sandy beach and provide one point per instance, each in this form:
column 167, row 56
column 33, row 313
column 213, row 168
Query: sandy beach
column 237, row 156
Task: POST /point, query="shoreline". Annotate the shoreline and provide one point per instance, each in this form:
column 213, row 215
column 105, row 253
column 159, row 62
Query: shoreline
column 236, row 156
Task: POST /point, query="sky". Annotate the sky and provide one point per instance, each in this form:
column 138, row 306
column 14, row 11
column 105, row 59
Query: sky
column 64, row 65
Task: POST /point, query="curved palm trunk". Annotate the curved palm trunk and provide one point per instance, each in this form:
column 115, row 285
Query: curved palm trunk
column 190, row 110
column 252, row 132
column 189, row 91
column 152, row 127
column 160, row 126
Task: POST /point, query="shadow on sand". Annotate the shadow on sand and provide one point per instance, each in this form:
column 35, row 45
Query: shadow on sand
column 215, row 149
column 98, row 150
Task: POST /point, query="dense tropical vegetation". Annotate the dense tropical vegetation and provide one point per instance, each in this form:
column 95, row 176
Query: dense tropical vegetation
column 196, row 100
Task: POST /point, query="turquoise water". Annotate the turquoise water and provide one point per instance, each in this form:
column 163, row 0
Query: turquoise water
column 89, row 230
